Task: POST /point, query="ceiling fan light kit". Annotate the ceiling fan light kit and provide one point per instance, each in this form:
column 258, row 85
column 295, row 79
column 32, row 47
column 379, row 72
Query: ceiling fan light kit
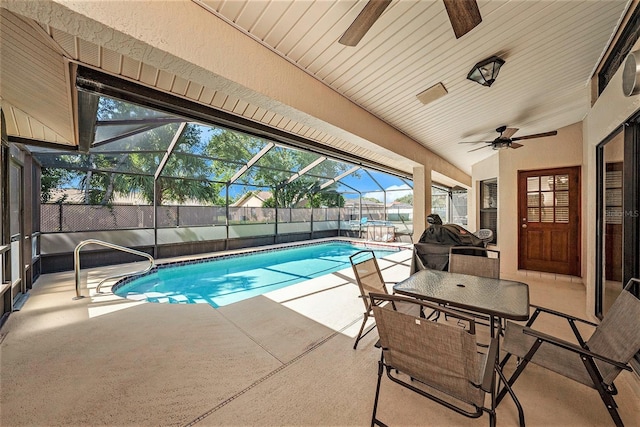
column 486, row 71
column 501, row 145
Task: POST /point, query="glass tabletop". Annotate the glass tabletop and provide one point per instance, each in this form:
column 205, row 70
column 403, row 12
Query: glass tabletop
column 495, row 297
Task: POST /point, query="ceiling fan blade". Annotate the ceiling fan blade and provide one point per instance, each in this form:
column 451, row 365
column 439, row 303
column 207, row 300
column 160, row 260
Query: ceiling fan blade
column 463, row 14
column 367, row 17
column 479, row 148
column 515, row 145
column 474, row 142
column 508, row 132
column 537, row 135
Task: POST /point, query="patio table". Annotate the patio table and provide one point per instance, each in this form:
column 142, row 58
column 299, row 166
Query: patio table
column 496, row 298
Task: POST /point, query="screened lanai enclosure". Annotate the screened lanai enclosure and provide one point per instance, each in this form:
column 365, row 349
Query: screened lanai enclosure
column 171, row 186
column 166, row 176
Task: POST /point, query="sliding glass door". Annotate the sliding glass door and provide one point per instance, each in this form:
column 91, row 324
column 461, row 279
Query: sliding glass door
column 618, row 213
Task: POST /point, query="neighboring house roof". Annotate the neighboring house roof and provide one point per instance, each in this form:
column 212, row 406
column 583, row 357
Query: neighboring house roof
column 252, row 199
column 364, row 203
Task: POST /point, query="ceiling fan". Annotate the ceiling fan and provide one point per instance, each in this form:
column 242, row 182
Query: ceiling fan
column 505, row 140
column 464, row 16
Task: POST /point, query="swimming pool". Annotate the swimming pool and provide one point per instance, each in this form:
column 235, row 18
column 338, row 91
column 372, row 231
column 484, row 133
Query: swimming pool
column 223, row 280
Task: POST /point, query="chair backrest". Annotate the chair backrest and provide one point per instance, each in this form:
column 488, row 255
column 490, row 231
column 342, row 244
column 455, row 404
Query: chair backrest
column 476, row 261
column 618, row 335
column 439, row 355
column 367, row 274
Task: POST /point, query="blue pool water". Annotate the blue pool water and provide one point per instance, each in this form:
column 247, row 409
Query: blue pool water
column 230, row 279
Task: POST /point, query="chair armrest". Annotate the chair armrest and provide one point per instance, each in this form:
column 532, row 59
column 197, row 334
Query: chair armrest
column 573, row 348
column 490, row 365
column 423, row 304
column 560, row 314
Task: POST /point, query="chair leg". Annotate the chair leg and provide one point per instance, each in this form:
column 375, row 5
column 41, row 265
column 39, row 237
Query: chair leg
column 511, row 393
column 523, row 363
column 511, row 381
column 605, row 394
column 374, row 420
column 433, row 316
column 612, row 407
column 364, row 322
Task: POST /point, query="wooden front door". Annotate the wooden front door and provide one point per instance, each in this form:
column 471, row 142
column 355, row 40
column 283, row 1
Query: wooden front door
column 549, row 220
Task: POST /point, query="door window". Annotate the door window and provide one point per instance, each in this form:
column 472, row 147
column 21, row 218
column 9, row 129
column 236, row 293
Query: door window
column 548, row 199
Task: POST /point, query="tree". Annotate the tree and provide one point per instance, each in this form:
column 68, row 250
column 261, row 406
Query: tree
column 280, row 164
column 53, row 178
column 106, row 173
column 408, row 199
column 204, row 159
column 326, row 199
column 371, row 199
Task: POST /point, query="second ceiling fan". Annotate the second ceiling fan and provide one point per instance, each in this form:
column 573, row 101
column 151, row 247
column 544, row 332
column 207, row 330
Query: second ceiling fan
column 505, row 140
column 464, row 16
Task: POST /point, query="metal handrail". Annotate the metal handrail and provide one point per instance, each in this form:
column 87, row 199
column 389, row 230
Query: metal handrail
column 76, row 262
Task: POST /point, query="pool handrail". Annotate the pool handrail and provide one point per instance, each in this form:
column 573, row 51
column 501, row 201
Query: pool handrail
column 76, row 262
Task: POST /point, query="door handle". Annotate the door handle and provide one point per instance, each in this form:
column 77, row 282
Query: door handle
column 524, row 225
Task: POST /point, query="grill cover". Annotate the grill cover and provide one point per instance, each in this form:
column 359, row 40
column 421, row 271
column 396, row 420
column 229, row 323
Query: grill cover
column 432, row 250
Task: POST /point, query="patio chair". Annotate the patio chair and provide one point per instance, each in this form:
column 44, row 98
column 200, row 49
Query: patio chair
column 481, row 262
column 476, row 262
column 359, row 225
column 399, row 233
column 596, row 362
column 369, row 279
column 438, row 361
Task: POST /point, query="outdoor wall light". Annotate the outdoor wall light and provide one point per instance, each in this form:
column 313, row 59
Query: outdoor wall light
column 485, row 72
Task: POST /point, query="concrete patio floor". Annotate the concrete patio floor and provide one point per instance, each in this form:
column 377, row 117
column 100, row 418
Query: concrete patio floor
column 283, row 358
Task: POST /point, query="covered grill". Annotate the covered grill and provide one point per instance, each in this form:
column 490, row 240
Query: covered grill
column 432, row 250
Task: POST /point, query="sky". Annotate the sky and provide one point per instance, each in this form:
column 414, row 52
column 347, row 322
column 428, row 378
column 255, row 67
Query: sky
column 393, row 192
column 394, row 186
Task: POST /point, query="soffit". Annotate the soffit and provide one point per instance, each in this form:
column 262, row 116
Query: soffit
column 35, row 84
